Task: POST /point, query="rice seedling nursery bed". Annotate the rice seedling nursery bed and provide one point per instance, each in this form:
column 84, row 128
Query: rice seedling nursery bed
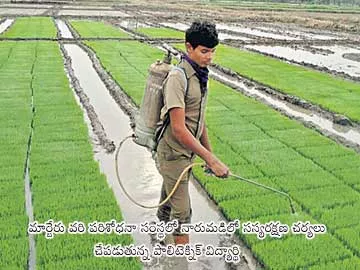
column 66, row 182
column 259, row 143
column 97, row 29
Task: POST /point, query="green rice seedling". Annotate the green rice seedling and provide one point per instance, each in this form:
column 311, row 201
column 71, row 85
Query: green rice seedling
column 258, row 145
column 32, row 27
column 273, row 122
column 306, row 180
column 299, row 252
column 14, row 227
column 331, row 150
column 160, row 32
column 259, row 205
column 340, row 162
column 96, row 29
column 351, row 263
column 276, row 167
column 351, row 237
column 321, row 199
column 12, row 253
column 300, row 137
column 9, row 206
column 274, row 155
column 233, row 189
column 340, row 217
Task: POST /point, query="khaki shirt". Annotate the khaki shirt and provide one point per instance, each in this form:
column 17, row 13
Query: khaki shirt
column 174, row 97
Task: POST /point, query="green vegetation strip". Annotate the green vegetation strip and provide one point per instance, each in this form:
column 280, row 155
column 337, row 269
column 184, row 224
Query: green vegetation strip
column 331, row 93
column 259, row 143
column 96, row 29
column 66, row 181
column 160, row 32
column 15, row 119
column 31, row 27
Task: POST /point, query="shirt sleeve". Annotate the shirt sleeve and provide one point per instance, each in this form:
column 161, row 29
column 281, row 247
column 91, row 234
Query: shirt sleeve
column 174, row 90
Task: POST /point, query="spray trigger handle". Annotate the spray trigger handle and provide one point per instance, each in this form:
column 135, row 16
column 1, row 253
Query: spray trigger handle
column 208, row 171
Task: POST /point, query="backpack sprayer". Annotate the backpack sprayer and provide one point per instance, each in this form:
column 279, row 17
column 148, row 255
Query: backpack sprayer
column 149, row 128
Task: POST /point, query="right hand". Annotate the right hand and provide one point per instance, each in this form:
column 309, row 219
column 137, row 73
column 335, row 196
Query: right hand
column 218, row 168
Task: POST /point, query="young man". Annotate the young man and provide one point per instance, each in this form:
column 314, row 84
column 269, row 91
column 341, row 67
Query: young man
column 186, row 135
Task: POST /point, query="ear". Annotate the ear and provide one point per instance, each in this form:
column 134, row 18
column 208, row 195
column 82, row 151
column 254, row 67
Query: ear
column 189, row 48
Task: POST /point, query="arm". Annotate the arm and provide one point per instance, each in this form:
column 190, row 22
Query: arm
column 184, row 136
column 204, row 139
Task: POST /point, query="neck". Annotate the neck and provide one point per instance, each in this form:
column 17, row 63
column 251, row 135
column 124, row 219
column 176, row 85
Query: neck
column 201, row 72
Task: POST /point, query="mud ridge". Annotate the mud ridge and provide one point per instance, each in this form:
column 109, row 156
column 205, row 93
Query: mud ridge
column 98, row 129
column 352, row 56
column 313, row 50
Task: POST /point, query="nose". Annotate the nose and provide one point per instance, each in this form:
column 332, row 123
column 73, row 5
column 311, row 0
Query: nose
column 209, row 55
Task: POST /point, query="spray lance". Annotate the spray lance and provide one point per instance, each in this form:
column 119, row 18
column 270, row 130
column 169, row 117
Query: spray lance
column 146, row 131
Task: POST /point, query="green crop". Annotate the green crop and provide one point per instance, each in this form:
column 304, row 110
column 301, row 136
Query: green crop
column 66, row 182
column 15, row 118
column 351, row 237
column 341, row 217
column 160, row 32
column 320, row 199
column 31, row 27
column 96, row 29
column 298, row 252
column 350, row 263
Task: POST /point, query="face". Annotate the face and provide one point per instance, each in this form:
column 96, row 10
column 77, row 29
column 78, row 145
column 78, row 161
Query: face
column 201, row 55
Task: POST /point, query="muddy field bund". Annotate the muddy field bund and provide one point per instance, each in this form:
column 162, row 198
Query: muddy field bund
column 70, row 87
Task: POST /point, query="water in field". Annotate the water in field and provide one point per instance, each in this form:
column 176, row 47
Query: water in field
column 64, row 30
column 138, row 171
column 184, row 27
column 298, row 33
column 5, row 25
column 254, row 32
column 333, row 61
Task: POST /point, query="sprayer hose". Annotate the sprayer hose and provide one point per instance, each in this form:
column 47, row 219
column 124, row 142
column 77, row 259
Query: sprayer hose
column 181, row 176
column 170, row 194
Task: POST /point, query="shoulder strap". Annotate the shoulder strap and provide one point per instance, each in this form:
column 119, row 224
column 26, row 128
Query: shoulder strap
column 185, row 78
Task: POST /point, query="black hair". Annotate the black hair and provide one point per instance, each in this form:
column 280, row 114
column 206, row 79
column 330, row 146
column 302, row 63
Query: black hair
column 202, row 33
